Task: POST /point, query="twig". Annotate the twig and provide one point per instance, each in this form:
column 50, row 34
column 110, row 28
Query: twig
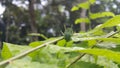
column 27, row 52
column 80, row 56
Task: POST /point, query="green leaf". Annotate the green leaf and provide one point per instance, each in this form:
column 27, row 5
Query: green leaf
column 92, row 42
column 82, row 20
column 116, row 40
column 48, row 66
column 27, row 63
column 84, row 5
column 101, row 14
column 76, row 39
column 118, row 27
column 10, row 50
column 92, row 1
column 111, row 22
column 111, row 55
column 69, row 44
column 6, row 52
column 90, row 39
column 82, row 64
column 100, row 61
column 107, row 45
column 75, row 8
column 36, row 43
column 117, row 35
column 61, row 42
column 56, row 49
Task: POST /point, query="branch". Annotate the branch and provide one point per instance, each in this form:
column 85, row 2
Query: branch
column 27, row 52
column 80, row 56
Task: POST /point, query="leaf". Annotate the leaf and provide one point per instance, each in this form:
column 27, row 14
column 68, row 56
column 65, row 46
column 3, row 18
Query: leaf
column 115, row 56
column 10, row 50
column 82, row 64
column 62, row 62
column 101, row 38
column 100, row 61
column 48, row 66
column 101, row 14
column 38, row 54
column 107, row 45
column 84, row 5
column 118, row 27
column 92, row 42
column 61, row 42
column 69, row 44
column 82, row 20
column 26, row 63
column 116, row 40
column 36, row 43
column 56, row 49
column 46, row 56
column 34, row 54
column 92, row 1
column 111, row 22
column 76, row 39
column 75, row 8
column 6, row 52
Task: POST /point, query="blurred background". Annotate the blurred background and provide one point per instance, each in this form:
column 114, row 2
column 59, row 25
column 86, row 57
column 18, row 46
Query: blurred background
column 18, row 18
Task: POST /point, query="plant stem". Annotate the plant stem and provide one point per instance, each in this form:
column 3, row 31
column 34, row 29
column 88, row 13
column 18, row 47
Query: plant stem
column 27, row 52
column 80, row 56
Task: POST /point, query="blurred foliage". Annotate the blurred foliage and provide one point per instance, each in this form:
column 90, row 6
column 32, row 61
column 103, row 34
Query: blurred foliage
column 51, row 16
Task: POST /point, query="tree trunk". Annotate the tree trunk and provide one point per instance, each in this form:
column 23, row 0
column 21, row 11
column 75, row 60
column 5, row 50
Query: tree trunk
column 83, row 15
column 32, row 17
